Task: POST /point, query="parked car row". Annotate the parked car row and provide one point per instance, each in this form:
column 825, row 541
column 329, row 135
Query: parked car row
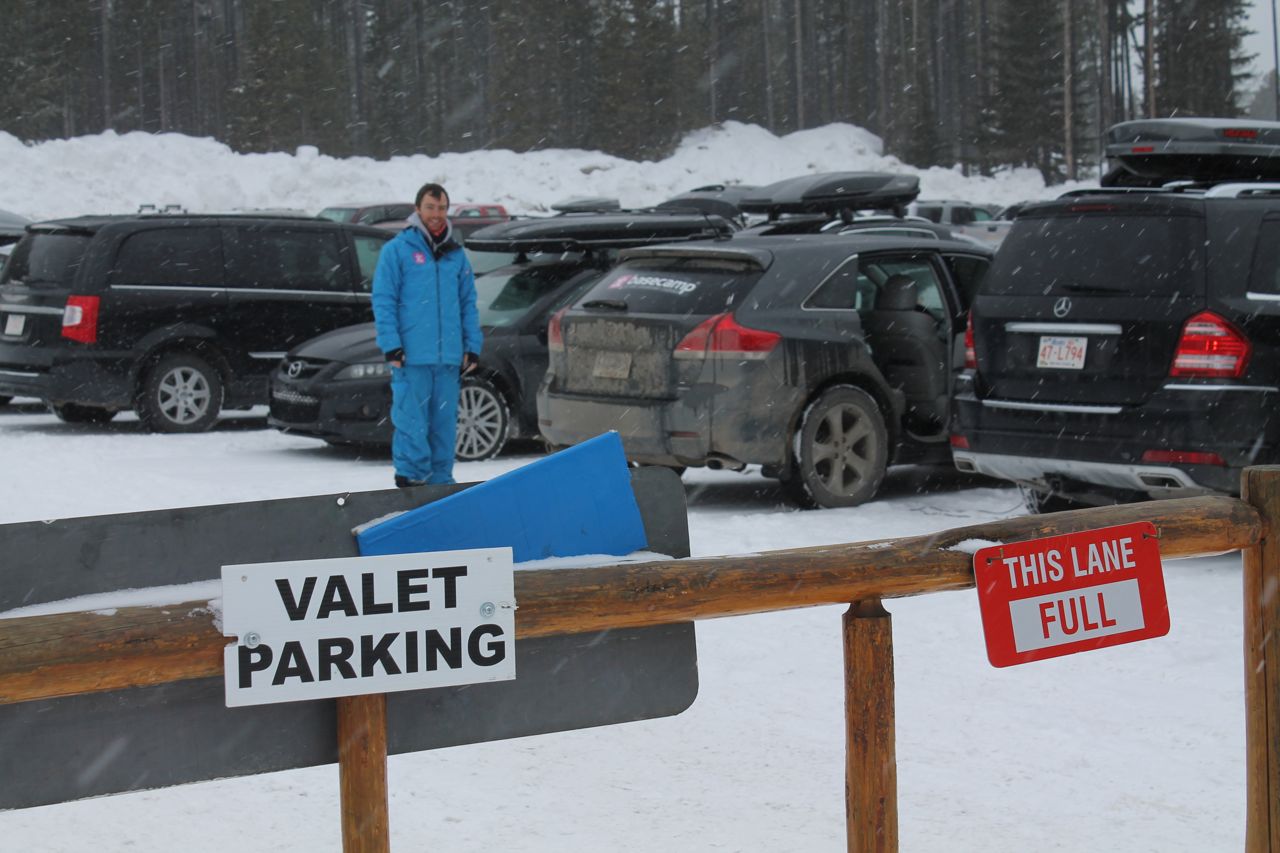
column 818, row 342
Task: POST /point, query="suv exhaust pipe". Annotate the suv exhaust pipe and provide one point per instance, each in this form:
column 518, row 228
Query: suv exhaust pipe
column 720, row 462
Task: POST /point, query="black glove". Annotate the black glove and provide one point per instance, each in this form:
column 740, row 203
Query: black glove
column 396, row 354
column 469, row 362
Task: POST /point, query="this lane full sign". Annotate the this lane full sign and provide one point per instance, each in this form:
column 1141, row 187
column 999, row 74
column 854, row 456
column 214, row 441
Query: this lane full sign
column 316, row 629
column 1073, row 593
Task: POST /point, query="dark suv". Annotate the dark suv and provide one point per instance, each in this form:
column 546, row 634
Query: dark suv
column 1126, row 342
column 177, row 317
column 822, row 358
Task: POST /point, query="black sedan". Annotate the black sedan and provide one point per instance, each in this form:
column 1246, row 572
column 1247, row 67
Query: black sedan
column 337, row 386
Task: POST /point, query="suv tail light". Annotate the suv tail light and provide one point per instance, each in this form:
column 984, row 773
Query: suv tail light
column 555, row 336
column 80, row 319
column 970, row 354
column 1211, row 346
column 723, row 335
column 1186, row 457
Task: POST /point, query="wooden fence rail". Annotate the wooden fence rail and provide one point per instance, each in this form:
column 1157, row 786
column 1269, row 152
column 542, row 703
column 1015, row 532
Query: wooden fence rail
column 67, row 654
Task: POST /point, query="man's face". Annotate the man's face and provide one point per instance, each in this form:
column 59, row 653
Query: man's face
column 433, row 211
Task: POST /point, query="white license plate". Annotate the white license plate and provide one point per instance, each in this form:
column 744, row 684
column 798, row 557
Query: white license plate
column 1065, row 353
column 612, row 365
column 14, row 323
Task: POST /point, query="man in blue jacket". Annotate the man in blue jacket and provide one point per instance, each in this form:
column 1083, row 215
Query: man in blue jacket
column 424, row 309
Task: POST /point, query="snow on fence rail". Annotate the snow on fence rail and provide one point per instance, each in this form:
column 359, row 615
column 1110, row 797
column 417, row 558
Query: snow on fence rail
column 67, row 654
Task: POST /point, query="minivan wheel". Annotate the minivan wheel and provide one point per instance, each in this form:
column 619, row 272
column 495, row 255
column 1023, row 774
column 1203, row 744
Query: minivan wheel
column 180, row 393
column 841, row 450
column 73, row 413
column 484, row 420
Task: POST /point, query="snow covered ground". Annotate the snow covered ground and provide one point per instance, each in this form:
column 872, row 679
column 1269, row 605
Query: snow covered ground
column 1134, row 748
column 115, row 173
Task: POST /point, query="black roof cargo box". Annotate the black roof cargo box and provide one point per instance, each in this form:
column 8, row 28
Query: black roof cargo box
column 832, row 192
column 1154, row 152
column 717, row 199
column 580, row 232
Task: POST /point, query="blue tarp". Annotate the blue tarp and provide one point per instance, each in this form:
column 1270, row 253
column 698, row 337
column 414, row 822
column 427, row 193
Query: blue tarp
column 578, row 501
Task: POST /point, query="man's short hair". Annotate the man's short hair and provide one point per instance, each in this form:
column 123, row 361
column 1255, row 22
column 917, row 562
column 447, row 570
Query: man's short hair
column 433, row 190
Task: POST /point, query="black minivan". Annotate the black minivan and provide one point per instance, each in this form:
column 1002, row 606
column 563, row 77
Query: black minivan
column 176, row 316
column 1126, row 342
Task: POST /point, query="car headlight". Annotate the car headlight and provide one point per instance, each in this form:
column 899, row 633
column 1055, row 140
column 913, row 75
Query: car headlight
column 366, row 370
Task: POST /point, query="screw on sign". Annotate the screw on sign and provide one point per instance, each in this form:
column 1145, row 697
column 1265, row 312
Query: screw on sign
column 1072, row 593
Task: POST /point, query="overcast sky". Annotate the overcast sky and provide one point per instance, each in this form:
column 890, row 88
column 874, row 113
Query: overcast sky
column 1260, row 42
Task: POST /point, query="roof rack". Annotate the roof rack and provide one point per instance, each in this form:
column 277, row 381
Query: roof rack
column 144, row 209
column 1243, row 190
column 834, row 193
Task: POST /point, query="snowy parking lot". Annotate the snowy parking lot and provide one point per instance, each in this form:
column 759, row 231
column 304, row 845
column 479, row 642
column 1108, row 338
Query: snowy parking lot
column 1133, row 748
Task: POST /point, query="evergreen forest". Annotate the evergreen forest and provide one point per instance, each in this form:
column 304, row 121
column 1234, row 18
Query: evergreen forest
column 980, row 83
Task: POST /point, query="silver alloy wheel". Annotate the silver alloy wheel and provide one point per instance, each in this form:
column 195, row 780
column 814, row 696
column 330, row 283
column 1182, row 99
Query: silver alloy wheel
column 482, row 422
column 183, row 395
column 843, row 449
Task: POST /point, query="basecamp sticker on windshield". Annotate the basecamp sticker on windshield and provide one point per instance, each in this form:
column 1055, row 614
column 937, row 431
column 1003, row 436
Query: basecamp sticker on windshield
column 317, row 629
column 1073, row 593
column 634, row 281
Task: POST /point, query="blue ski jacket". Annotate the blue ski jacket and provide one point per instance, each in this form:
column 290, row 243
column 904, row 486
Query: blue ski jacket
column 424, row 304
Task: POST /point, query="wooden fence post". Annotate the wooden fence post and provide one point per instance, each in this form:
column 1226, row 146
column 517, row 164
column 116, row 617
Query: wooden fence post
column 362, row 773
column 871, row 769
column 1260, row 487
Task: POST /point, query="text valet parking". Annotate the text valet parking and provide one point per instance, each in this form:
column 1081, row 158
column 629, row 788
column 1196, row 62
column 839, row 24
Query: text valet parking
column 317, row 629
column 1072, row 593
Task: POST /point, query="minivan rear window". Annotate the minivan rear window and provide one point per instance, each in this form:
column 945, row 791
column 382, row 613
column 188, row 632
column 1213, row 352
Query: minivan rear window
column 48, row 259
column 1115, row 254
column 673, row 286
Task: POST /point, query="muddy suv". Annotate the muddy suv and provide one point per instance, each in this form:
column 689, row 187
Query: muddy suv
column 821, row 357
column 177, row 317
column 1126, row 342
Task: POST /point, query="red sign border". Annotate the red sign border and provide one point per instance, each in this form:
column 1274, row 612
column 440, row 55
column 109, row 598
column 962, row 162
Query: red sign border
column 994, row 596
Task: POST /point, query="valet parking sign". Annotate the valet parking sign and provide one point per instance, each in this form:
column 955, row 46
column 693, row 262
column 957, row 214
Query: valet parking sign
column 316, row 629
column 1073, row 593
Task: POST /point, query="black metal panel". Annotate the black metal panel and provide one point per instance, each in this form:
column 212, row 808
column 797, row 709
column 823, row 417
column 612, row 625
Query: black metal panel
column 154, row 737
column 128, row 740
column 52, row 560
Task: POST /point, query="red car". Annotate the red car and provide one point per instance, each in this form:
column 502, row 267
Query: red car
column 467, row 218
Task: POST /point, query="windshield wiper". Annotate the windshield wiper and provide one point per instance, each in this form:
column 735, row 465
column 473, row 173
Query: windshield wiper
column 611, row 304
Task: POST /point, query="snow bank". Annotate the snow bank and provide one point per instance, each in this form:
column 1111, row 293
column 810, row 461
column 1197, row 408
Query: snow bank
column 115, row 173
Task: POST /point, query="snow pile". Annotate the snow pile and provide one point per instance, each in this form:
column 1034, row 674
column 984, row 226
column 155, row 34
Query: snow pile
column 116, row 173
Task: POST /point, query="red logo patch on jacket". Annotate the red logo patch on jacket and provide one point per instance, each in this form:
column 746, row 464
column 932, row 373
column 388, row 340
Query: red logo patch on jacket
column 419, row 258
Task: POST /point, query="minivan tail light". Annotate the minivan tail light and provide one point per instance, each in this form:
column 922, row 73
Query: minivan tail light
column 970, row 352
column 80, row 319
column 555, row 335
column 722, row 335
column 1211, row 346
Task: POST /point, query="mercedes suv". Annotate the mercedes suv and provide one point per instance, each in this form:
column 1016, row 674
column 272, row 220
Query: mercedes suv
column 1126, row 341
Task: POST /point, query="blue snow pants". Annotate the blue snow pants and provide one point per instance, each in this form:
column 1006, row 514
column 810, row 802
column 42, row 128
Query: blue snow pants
column 424, row 412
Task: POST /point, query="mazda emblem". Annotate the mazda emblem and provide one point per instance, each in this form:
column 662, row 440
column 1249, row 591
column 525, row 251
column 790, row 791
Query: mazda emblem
column 295, row 368
column 1061, row 308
